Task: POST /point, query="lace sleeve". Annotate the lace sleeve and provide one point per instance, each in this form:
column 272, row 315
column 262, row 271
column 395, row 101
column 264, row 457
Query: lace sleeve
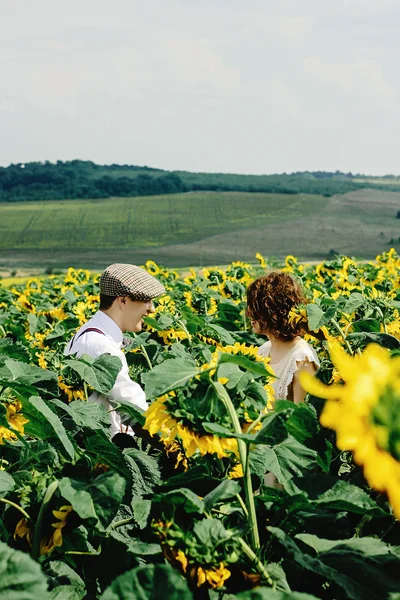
column 301, row 355
column 264, row 350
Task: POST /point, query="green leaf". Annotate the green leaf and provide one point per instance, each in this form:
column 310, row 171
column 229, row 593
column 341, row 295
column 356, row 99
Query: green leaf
column 33, row 323
column 354, row 302
column 169, row 375
column 98, row 500
column 55, row 423
column 141, row 511
column 224, row 432
column 144, row 471
column 89, row 414
column 182, row 497
column 193, row 322
column 273, row 429
column 99, row 373
column 57, row 332
column 66, row 592
column 107, row 492
column 246, row 363
column 20, row 576
column 221, row 332
column 266, row 593
column 100, row 445
column 324, row 457
column 149, row 582
column 7, row 483
column 303, row 424
column 211, row 532
column 139, row 548
column 65, row 582
column 315, row 316
column 362, row 338
column 137, row 340
column 289, row 459
column 348, row 497
column 372, row 325
column 129, row 412
column 38, row 426
column 14, row 350
column 224, row 491
column 197, row 477
column 236, row 377
column 78, row 495
column 15, row 373
column 335, row 495
column 362, row 567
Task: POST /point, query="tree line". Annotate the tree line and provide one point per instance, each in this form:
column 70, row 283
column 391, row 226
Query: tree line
column 86, row 179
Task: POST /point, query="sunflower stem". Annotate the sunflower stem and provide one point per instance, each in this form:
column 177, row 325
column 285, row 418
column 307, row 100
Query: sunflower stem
column 147, row 357
column 95, row 553
column 256, row 561
column 85, row 390
column 38, row 527
column 122, row 522
column 254, row 423
column 242, row 504
column 380, row 312
column 341, row 332
column 21, row 510
column 248, row 488
column 185, row 329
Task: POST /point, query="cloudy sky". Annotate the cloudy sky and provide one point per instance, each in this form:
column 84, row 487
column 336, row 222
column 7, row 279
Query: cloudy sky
column 245, row 86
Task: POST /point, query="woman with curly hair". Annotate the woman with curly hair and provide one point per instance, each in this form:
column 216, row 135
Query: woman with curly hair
column 269, row 302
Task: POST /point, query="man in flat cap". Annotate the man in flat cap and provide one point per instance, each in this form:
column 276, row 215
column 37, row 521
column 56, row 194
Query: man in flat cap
column 126, row 296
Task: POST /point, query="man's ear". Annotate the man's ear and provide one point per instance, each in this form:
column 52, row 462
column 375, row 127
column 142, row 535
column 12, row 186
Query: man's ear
column 122, row 302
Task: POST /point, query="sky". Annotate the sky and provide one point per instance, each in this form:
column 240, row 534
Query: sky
column 255, row 86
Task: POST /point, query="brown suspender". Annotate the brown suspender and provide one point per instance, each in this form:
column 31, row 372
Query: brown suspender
column 85, row 331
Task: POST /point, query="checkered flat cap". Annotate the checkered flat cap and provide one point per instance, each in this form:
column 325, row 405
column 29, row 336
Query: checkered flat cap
column 129, row 280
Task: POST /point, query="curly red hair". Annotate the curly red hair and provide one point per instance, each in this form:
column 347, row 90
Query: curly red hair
column 269, row 301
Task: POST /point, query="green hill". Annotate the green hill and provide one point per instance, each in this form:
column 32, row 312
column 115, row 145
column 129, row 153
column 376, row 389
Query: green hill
column 196, row 228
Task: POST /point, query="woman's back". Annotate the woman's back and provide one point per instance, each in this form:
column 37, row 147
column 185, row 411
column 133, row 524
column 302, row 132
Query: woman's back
column 298, row 354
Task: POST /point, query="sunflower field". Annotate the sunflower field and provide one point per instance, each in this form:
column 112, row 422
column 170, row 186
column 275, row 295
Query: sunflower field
column 185, row 512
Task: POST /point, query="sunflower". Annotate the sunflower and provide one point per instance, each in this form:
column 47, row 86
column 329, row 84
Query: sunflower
column 248, row 352
column 364, row 413
column 158, row 420
column 69, row 391
column 200, row 301
column 41, row 360
column 261, row 260
column 160, row 416
column 214, row 577
column 152, row 268
column 54, row 539
column 290, row 263
column 16, row 421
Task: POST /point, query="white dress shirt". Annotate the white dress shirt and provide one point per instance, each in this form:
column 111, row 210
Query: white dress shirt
column 95, row 344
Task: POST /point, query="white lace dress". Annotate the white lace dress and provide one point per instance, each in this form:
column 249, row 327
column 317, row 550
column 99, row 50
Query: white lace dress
column 287, row 367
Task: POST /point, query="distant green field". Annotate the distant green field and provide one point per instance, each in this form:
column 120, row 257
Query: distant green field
column 196, row 228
